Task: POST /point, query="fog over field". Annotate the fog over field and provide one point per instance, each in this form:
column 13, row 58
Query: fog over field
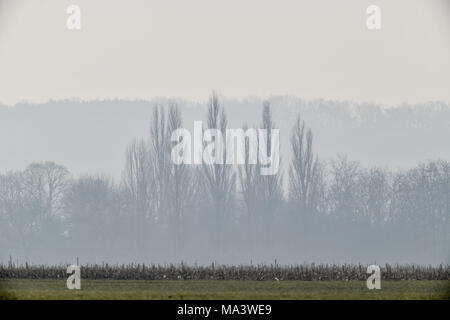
column 88, row 137
column 358, row 183
column 91, row 92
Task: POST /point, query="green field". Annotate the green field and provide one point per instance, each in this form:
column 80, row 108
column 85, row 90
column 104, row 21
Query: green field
column 222, row 289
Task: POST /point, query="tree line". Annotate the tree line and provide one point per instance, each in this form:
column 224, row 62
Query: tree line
column 314, row 210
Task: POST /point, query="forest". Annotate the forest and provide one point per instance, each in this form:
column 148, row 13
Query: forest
column 313, row 210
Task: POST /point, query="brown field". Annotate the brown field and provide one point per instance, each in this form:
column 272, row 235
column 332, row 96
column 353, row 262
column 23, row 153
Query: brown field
column 223, row 272
column 222, row 289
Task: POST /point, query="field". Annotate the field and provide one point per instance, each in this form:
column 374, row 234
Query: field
column 180, row 281
column 222, row 289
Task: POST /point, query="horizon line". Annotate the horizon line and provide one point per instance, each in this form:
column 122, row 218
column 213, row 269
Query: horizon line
column 355, row 102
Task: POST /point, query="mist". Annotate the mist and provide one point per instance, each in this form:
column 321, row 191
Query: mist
column 93, row 180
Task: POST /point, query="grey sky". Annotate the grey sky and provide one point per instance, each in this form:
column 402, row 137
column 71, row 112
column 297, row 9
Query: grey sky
column 142, row 49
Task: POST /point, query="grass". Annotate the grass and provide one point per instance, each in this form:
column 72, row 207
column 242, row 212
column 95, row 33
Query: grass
column 222, row 289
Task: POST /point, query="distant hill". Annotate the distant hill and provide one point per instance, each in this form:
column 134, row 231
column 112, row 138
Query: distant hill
column 92, row 136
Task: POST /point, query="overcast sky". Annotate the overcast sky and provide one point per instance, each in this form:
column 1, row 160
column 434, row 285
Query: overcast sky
column 141, row 49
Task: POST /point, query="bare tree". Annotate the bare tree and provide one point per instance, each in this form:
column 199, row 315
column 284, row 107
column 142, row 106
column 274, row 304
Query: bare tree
column 343, row 196
column 424, row 201
column 93, row 209
column 16, row 220
column 138, row 178
column 45, row 184
column 248, row 184
column 269, row 191
column 305, row 170
column 160, row 158
column 219, row 177
column 374, row 195
column 181, row 185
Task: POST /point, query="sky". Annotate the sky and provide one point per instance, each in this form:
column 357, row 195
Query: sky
column 138, row 49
